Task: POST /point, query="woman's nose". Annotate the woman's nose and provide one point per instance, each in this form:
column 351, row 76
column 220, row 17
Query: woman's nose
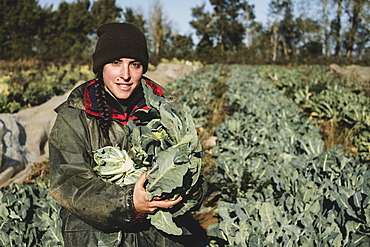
column 125, row 72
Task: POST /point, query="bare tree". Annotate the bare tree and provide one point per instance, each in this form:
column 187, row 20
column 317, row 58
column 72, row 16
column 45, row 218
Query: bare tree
column 354, row 9
column 159, row 30
column 274, row 41
column 337, row 26
column 283, row 29
column 274, row 9
column 325, row 25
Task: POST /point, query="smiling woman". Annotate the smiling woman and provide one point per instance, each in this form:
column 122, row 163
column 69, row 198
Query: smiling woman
column 100, row 114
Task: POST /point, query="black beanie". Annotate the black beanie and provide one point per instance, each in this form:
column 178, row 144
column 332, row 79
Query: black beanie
column 119, row 40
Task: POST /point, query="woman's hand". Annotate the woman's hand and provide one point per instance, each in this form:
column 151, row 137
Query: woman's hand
column 141, row 202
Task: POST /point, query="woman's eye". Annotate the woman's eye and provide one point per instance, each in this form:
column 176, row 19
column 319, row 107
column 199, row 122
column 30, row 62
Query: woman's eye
column 116, row 63
column 136, row 64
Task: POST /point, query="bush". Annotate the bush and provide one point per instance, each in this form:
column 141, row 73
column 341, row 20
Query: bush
column 26, row 88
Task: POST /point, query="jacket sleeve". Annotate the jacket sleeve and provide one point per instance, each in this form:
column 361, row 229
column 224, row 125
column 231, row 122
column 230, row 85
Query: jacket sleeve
column 74, row 184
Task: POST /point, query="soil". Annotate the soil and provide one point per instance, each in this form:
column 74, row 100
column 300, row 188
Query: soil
column 206, row 218
column 39, row 171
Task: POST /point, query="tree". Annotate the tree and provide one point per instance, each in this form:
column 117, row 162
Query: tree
column 54, row 38
column 354, row 10
column 181, row 47
column 363, row 37
column 19, row 20
column 136, row 18
column 229, row 15
column 69, row 29
column 337, row 26
column 224, row 29
column 258, row 51
column 309, row 43
column 104, row 11
column 202, row 24
column 325, row 26
column 284, row 32
column 160, row 32
column 80, row 26
column 46, row 38
column 250, row 23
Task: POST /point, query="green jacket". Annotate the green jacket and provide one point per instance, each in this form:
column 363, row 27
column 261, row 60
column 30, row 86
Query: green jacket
column 94, row 212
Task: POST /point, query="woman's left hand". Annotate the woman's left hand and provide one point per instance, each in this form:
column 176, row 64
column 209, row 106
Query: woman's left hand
column 142, row 203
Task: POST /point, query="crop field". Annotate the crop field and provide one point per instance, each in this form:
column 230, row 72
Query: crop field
column 290, row 168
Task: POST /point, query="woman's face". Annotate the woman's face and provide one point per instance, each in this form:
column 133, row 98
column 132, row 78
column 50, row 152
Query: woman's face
column 122, row 76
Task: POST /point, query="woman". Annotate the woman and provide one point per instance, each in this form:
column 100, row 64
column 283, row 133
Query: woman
column 95, row 116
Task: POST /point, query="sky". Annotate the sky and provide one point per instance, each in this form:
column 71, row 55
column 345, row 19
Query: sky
column 177, row 12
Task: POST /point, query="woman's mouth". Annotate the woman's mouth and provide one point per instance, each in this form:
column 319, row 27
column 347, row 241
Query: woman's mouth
column 124, row 86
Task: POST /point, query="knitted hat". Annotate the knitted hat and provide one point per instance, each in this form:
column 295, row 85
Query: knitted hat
column 119, row 40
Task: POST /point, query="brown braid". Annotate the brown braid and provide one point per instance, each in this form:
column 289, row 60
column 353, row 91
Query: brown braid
column 104, row 109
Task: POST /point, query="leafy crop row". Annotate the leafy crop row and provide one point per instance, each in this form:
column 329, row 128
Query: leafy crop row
column 327, row 97
column 278, row 187
column 202, row 92
column 29, row 216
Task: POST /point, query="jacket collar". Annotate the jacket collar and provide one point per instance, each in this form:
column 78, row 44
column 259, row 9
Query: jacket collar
column 132, row 108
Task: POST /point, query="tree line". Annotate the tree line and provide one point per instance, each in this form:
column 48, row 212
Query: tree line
column 296, row 31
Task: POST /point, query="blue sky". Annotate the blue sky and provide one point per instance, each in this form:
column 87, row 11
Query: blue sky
column 178, row 12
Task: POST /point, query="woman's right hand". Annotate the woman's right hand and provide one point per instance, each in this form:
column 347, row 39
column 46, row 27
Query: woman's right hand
column 142, row 203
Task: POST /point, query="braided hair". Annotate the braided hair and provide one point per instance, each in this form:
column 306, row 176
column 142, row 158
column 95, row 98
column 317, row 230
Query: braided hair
column 103, row 107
